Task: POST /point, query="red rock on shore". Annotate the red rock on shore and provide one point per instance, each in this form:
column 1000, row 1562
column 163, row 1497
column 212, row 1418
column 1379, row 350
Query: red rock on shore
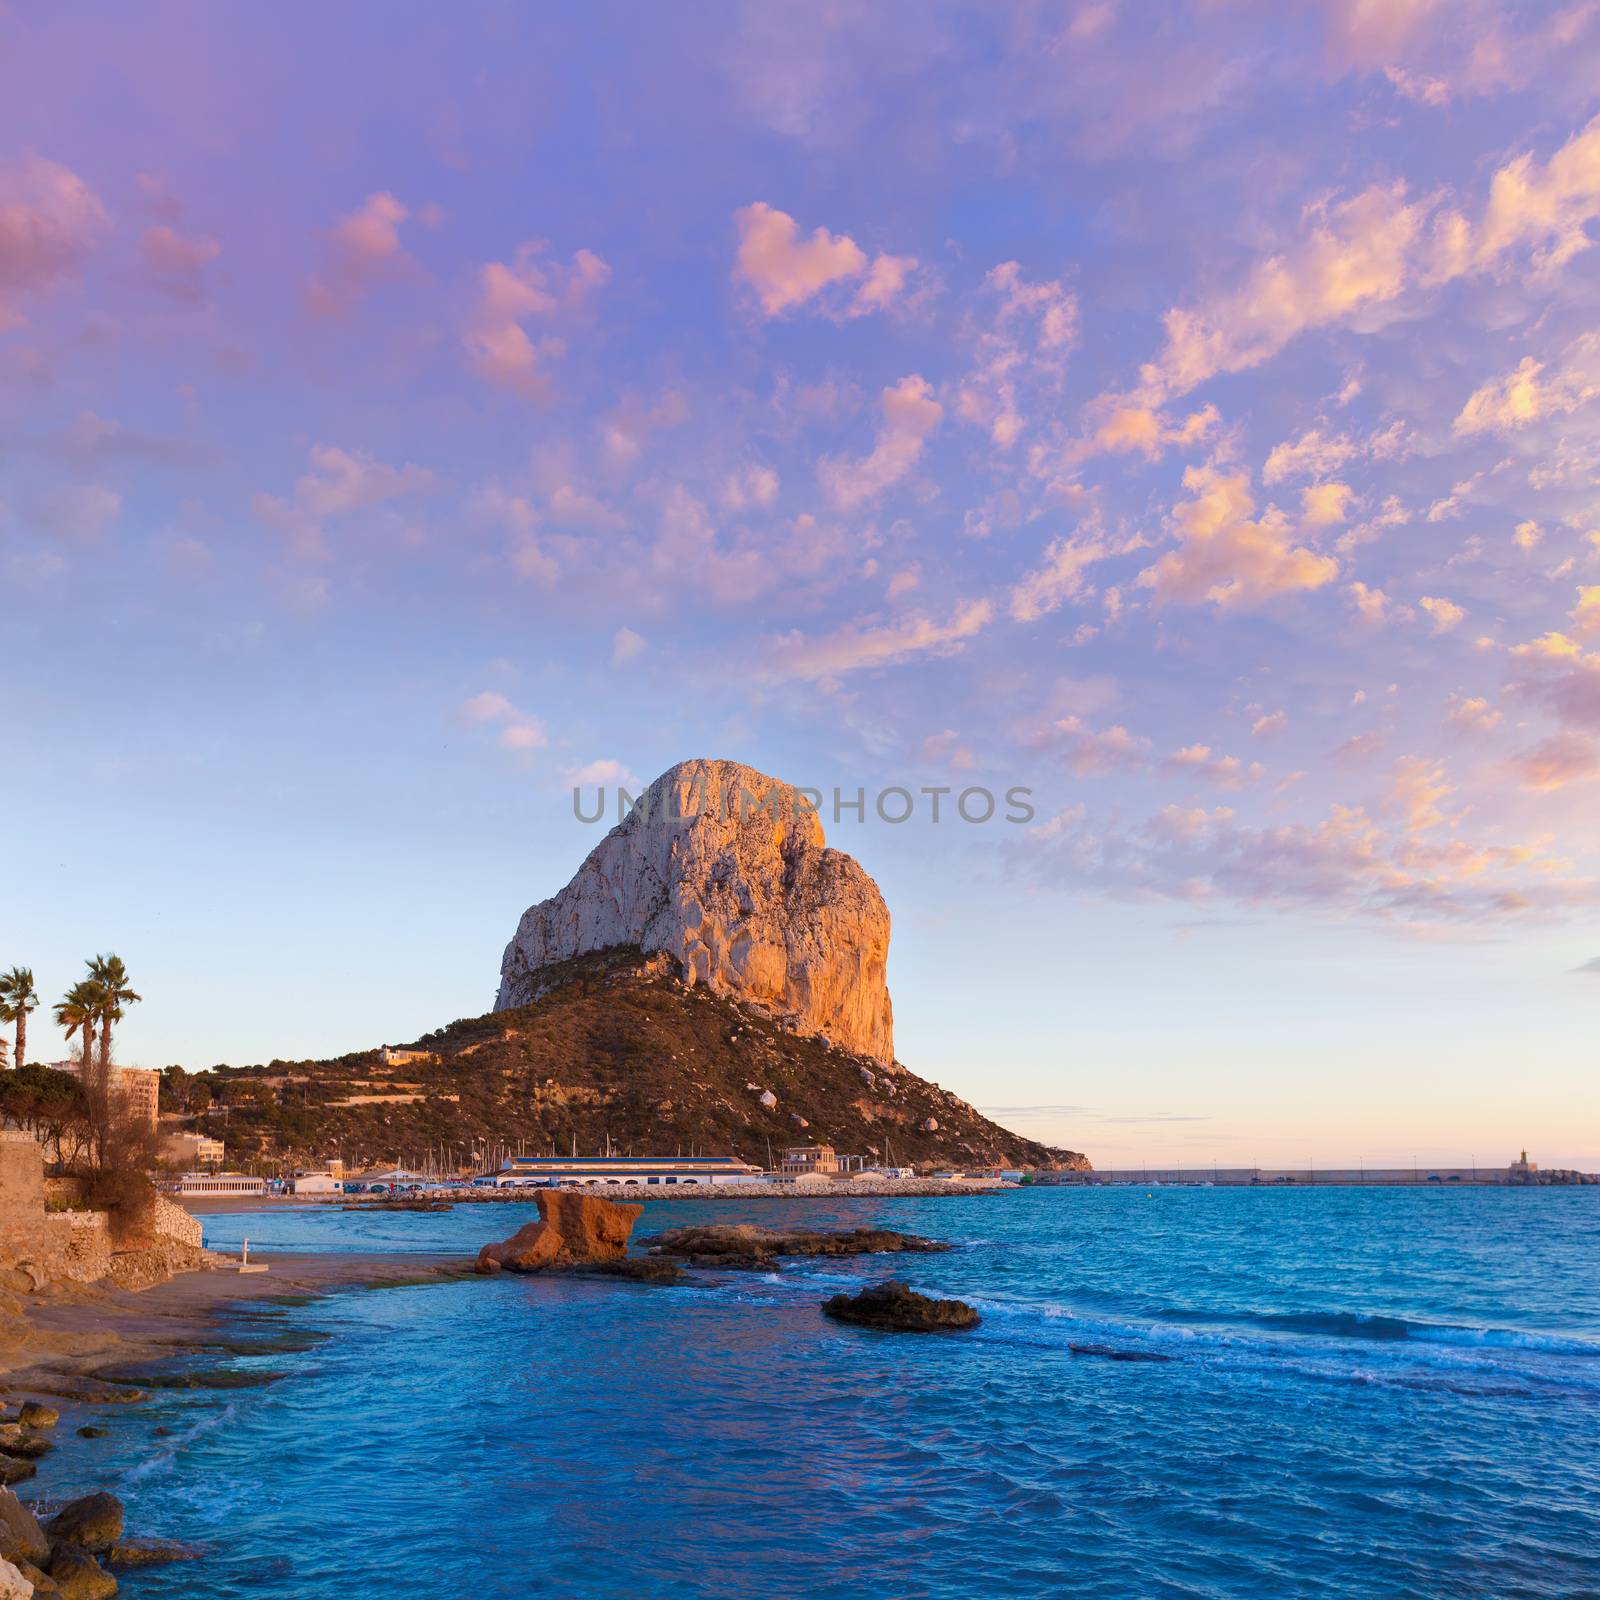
column 572, row 1228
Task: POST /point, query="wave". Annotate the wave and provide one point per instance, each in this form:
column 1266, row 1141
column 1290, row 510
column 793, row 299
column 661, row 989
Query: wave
column 161, row 1460
column 1391, row 1329
column 1323, row 1347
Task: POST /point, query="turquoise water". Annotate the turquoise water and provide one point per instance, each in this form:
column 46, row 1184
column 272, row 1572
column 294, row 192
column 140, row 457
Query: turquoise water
column 1369, row 1392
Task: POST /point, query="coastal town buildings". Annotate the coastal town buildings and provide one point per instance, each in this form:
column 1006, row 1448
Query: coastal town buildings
column 405, row 1058
column 140, row 1087
column 193, row 1150
column 216, row 1185
column 566, row 1171
column 317, row 1183
column 808, row 1159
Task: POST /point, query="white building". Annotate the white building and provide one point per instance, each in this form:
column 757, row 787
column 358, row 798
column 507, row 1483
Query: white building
column 547, row 1172
column 217, row 1185
column 318, row 1183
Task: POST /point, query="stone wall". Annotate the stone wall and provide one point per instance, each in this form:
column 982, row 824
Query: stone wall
column 39, row 1247
column 175, row 1225
column 21, row 1175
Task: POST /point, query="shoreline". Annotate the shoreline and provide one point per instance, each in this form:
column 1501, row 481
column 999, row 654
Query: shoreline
column 63, row 1336
column 908, row 1188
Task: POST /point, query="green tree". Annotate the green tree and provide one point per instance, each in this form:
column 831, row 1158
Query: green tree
column 17, row 998
column 110, row 977
column 50, row 1105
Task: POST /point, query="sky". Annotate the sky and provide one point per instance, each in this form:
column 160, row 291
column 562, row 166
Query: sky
column 1188, row 414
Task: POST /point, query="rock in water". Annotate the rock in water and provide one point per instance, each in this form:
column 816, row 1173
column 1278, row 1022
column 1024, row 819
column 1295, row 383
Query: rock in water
column 901, row 1309
column 21, row 1537
column 745, row 1245
column 727, row 871
column 149, row 1553
column 79, row 1576
column 93, row 1523
column 572, row 1228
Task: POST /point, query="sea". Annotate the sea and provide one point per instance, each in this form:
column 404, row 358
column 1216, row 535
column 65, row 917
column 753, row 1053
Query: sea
column 1173, row 1392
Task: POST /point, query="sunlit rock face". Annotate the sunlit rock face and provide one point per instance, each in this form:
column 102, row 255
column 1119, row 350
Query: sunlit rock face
column 727, row 870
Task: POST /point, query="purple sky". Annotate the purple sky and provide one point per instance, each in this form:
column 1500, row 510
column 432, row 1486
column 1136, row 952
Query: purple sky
column 1192, row 415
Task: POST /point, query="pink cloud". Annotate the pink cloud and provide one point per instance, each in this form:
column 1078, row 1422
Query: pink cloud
column 50, row 221
column 176, row 262
column 1095, row 753
column 338, row 483
column 1557, row 762
column 1227, row 556
column 910, row 415
column 1226, row 772
column 501, row 349
column 782, row 271
column 359, row 252
column 1347, row 861
column 859, row 645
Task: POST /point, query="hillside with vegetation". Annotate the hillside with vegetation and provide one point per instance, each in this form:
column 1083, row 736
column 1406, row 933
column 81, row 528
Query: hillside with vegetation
column 616, row 1051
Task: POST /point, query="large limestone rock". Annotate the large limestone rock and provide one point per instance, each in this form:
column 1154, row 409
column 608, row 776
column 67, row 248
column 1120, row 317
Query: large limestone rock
column 573, row 1229
column 727, row 870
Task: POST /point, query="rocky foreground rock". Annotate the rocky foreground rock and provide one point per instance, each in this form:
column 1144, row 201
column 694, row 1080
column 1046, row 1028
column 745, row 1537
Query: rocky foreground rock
column 900, row 1309
column 728, row 871
column 66, row 1557
column 573, row 1229
column 750, row 1247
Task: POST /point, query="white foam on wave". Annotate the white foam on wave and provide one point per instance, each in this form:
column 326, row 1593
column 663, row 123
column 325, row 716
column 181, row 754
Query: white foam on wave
column 162, row 1461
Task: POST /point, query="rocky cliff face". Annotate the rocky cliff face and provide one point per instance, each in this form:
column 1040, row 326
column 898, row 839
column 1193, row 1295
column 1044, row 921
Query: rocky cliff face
column 727, row 870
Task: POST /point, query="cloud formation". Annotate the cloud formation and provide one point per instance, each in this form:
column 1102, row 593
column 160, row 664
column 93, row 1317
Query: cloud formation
column 530, row 290
column 859, row 645
column 359, row 252
column 910, row 415
column 1227, row 556
column 518, row 731
column 50, row 221
column 1362, row 253
column 781, row 271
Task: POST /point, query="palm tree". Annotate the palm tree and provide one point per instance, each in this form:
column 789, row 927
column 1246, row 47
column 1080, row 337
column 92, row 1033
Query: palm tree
column 17, row 998
column 110, row 977
column 77, row 1011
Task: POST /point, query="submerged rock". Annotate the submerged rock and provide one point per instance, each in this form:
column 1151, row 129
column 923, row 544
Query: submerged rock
column 78, row 1576
column 637, row 1269
column 89, row 1431
column 93, row 1523
column 1112, row 1352
column 895, row 1306
column 20, row 1533
column 572, row 1228
column 758, row 1249
column 149, row 1552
